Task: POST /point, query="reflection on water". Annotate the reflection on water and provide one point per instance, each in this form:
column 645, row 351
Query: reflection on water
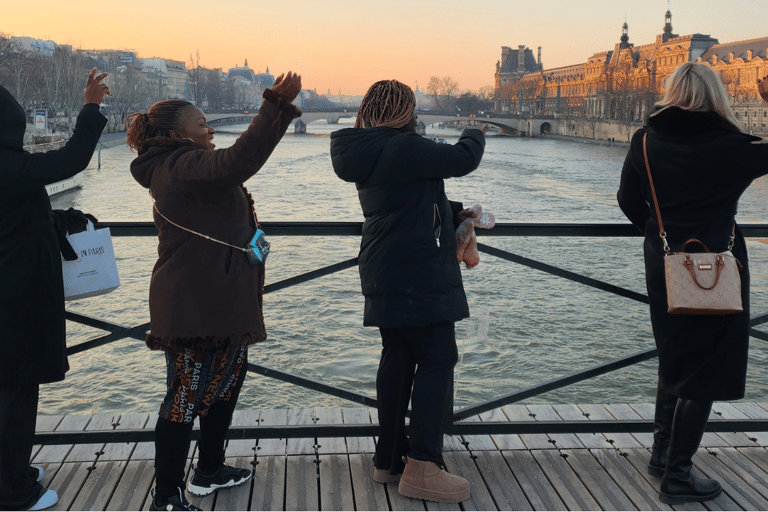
column 527, row 327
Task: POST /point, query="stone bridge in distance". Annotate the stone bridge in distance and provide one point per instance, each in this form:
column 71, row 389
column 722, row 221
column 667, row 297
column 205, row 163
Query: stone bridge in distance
column 525, row 126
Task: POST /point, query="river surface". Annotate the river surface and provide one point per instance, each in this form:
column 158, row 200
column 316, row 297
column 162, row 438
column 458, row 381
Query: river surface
column 527, row 327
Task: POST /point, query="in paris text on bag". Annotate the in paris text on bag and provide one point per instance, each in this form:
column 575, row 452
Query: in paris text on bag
column 94, row 272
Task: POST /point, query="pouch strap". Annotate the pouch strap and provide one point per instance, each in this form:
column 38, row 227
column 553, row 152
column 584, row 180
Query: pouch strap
column 154, row 205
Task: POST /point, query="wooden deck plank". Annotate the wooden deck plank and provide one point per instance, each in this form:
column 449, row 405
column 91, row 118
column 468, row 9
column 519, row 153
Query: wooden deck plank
column 399, row 502
column 272, row 446
column 335, row 483
column 532, row 479
column 45, row 423
column 599, row 483
column 625, row 412
column 516, row 412
column 754, row 411
column 729, row 412
column 571, row 412
column 123, row 451
column 304, row 445
column 146, row 450
column 369, row 495
column 498, row 478
column 98, row 488
column 90, row 452
column 598, row 412
column 502, row 441
column 548, row 413
column 360, row 416
column 639, row 491
column 269, row 483
column 569, row 487
column 705, row 464
column 57, row 453
column 235, row 498
column 68, row 481
column 476, row 442
column 135, row 486
column 752, row 474
column 463, row 465
column 746, row 497
column 328, row 445
column 243, row 447
column 301, row 483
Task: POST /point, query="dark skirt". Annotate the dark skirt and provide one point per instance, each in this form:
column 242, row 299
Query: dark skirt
column 701, row 357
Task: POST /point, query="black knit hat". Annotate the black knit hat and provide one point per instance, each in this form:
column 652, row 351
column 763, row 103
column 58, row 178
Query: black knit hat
column 13, row 122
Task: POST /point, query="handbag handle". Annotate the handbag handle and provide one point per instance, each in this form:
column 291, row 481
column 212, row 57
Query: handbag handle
column 662, row 233
column 695, row 241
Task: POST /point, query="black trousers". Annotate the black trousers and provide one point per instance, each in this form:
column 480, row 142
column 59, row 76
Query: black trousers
column 172, row 441
column 18, row 415
column 416, row 366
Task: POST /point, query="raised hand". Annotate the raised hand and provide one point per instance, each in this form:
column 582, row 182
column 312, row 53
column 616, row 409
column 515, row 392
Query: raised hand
column 95, row 90
column 287, row 86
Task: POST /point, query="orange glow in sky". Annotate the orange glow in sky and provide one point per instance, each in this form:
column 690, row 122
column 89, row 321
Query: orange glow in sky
column 345, row 45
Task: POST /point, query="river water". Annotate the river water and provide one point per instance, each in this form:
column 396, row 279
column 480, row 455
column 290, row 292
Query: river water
column 527, row 327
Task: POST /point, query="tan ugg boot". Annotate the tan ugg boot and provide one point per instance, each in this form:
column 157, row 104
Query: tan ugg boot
column 383, row 476
column 425, row 480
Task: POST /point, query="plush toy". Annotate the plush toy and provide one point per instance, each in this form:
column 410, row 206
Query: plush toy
column 466, row 240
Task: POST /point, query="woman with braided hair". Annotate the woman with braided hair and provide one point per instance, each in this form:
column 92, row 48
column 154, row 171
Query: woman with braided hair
column 205, row 296
column 410, row 278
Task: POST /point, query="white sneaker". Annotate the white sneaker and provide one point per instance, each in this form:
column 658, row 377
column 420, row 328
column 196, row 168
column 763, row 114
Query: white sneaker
column 47, row 500
column 40, row 472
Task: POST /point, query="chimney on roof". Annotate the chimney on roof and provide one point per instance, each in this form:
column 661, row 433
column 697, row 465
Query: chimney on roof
column 539, row 60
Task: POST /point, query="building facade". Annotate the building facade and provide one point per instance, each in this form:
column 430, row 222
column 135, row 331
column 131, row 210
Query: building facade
column 623, row 83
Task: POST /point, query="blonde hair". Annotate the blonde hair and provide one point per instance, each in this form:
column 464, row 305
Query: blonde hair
column 696, row 87
column 387, row 103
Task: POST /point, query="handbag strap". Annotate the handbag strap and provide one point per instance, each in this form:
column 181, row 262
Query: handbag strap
column 662, row 233
column 154, row 205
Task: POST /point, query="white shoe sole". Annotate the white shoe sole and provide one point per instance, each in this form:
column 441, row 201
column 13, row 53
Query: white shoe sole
column 205, row 491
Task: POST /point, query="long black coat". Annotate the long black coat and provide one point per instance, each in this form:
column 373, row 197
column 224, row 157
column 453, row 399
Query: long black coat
column 700, row 164
column 408, row 268
column 32, row 335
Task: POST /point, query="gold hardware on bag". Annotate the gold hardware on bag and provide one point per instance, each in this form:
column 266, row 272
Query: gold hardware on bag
column 705, row 266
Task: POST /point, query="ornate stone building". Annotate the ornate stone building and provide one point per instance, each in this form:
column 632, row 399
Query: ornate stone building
column 249, row 85
column 624, row 83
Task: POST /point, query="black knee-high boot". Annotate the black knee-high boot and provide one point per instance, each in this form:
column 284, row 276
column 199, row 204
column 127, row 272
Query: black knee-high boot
column 677, row 485
column 662, row 431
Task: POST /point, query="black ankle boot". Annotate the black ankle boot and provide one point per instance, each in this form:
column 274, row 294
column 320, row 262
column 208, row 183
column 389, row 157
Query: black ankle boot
column 677, row 485
column 662, row 431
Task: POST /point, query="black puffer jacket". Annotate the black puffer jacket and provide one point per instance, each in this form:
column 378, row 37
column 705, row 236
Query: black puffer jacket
column 408, row 267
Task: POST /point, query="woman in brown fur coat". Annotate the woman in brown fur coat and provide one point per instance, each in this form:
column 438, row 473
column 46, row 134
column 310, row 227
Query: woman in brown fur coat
column 205, row 296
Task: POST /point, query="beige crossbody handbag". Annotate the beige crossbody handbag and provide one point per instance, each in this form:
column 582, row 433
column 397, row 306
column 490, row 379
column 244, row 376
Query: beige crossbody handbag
column 702, row 283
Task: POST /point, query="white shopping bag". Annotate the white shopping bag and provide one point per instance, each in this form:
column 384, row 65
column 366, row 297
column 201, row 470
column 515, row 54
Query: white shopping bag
column 95, row 270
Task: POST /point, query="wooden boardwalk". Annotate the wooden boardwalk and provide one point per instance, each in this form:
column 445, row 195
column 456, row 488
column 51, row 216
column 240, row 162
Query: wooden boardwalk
column 506, row 472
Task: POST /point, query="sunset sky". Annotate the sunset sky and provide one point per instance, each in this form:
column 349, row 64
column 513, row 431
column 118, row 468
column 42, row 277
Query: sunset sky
column 345, row 45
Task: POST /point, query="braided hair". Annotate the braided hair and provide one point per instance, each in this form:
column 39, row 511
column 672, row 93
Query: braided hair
column 387, row 103
column 160, row 119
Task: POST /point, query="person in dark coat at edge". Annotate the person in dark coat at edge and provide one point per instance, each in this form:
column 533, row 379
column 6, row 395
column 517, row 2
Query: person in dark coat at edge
column 410, row 278
column 205, row 295
column 701, row 163
column 31, row 284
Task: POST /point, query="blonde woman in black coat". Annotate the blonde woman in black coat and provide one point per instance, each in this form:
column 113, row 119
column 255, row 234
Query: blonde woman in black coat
column 701, row 163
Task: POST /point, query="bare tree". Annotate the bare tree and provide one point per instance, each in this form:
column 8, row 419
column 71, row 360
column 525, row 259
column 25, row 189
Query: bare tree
column 442, row 91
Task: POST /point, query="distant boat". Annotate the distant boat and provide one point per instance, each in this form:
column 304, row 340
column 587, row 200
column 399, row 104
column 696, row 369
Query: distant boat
column 63, row 186
column 45, row 143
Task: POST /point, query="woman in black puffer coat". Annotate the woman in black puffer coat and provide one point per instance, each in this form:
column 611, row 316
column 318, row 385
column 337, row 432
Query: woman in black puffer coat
column 701, row 163
column 410, row 277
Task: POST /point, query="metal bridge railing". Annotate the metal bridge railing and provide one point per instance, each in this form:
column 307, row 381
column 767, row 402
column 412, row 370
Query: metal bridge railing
column 452, row 422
